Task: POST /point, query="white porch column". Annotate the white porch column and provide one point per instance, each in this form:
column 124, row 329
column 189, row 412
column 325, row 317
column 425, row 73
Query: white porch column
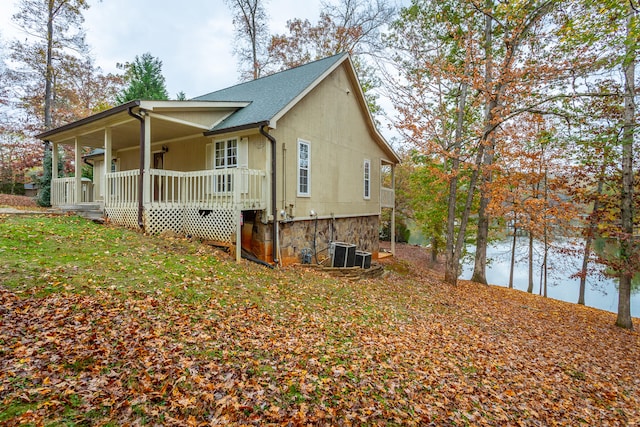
column 267, row 188
column 107, row 164
column 146, row 179
column 54, row 160
column 78, row 161
column 55, row 200
column 393, row 211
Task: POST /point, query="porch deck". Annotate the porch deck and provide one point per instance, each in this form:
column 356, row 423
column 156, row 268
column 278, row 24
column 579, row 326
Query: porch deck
column 205, row 204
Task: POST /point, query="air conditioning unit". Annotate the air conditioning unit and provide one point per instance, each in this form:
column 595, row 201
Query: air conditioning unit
column 363, row 259
column 343, row 254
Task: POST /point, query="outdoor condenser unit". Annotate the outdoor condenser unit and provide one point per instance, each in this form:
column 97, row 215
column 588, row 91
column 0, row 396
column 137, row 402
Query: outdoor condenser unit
column 343, row 254
column 363, row 259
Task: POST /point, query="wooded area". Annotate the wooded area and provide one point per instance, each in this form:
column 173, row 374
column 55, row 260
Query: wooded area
column 520, row 116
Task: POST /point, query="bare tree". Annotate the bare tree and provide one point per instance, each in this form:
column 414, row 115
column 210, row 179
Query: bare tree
column 252, row 35
column 54, row 36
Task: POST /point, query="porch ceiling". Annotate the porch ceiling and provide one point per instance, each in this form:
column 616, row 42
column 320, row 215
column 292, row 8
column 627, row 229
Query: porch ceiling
column 169, row 120
column 125, row 132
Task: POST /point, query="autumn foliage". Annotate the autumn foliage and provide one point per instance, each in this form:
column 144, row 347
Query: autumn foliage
column 170, row 332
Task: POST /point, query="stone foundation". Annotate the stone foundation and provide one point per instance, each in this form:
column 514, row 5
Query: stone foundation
column 298, row 235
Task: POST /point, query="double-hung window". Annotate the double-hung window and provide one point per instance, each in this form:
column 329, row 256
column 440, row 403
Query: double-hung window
column 226, row 156
column 367, row 179
column 304, row 168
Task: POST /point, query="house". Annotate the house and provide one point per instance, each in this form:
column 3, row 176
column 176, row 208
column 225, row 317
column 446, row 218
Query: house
column 284, row 164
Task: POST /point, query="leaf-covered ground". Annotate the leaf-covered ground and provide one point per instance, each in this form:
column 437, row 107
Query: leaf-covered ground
column 17, row 201
column 103, row 326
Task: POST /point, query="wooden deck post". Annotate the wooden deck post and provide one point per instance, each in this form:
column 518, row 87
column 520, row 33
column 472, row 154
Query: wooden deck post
column 238, row 235
column 54, row 161
column 55, row 197
column 78, row 170
column 146, row 178
column 393, row 212
column 107, row 165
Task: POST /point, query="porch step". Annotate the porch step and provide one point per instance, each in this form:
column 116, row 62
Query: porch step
column 84, row 207
column 90, row 211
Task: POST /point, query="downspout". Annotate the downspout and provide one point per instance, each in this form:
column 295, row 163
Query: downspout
column 274, row 209
column 140, row 176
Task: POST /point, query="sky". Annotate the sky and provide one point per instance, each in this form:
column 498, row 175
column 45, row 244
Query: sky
column 192, row 38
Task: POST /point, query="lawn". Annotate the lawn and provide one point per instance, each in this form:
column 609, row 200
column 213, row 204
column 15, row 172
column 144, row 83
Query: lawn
column 104, row 326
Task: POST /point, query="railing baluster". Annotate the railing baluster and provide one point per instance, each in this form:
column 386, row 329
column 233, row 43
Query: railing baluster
column 208, row 189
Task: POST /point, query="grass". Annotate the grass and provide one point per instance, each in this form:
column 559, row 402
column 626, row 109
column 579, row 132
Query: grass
column 46, row 254
column 14, row 410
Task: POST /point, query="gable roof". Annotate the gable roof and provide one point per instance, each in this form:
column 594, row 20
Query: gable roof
column 270, row 97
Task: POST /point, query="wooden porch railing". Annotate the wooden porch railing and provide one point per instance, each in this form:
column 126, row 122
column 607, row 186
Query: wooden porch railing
column 121, row 189
column 63, row 192
column 207, row 189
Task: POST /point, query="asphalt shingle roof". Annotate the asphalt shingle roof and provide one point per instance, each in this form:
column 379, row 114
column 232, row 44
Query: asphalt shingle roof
column 269, row 95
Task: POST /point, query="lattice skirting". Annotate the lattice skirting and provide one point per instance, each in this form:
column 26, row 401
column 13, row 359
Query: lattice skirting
column 158, row 220
column 217, row 225
column 210, row 224
column 127, row 217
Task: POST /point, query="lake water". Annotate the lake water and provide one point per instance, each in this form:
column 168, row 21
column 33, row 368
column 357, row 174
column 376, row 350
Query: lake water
column 600, row 292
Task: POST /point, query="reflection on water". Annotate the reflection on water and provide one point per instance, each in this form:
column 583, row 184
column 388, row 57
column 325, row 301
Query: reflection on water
column 600, row 292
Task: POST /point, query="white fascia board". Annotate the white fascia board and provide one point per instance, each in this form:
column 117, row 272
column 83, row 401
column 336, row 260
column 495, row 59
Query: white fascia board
column 190, row 105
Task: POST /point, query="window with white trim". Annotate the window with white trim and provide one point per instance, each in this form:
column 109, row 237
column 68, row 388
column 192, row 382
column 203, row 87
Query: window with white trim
column 304, row 168
column 222, row 154
column 226, row 154
column 367, row 179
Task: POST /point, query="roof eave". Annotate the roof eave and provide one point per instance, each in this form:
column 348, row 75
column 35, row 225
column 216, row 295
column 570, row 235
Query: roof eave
column 239, row 128
column 94, row 118
column 147, row 105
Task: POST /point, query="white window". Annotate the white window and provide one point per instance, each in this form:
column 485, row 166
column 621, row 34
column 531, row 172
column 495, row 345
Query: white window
column 367, row 178
column 226, row 154
column 222, row 154
column 304, row 168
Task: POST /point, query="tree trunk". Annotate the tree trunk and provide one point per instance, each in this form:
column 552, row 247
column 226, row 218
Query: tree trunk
column 530, row 287
column 513, row 253
column 452, row 253
column 254, row 45
column 546, row 234
column 464, row 220
column 48, row 87
column 588, row 241
column 435, row 250
column 585, row 264
column 482, row 237
column 626, row 200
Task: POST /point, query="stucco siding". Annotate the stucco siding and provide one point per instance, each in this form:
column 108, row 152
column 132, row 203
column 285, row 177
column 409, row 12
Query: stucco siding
column 332, row 121
column 190, row 155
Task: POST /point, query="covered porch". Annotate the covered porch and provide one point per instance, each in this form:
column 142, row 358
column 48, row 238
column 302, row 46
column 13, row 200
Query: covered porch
column 153, row 174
